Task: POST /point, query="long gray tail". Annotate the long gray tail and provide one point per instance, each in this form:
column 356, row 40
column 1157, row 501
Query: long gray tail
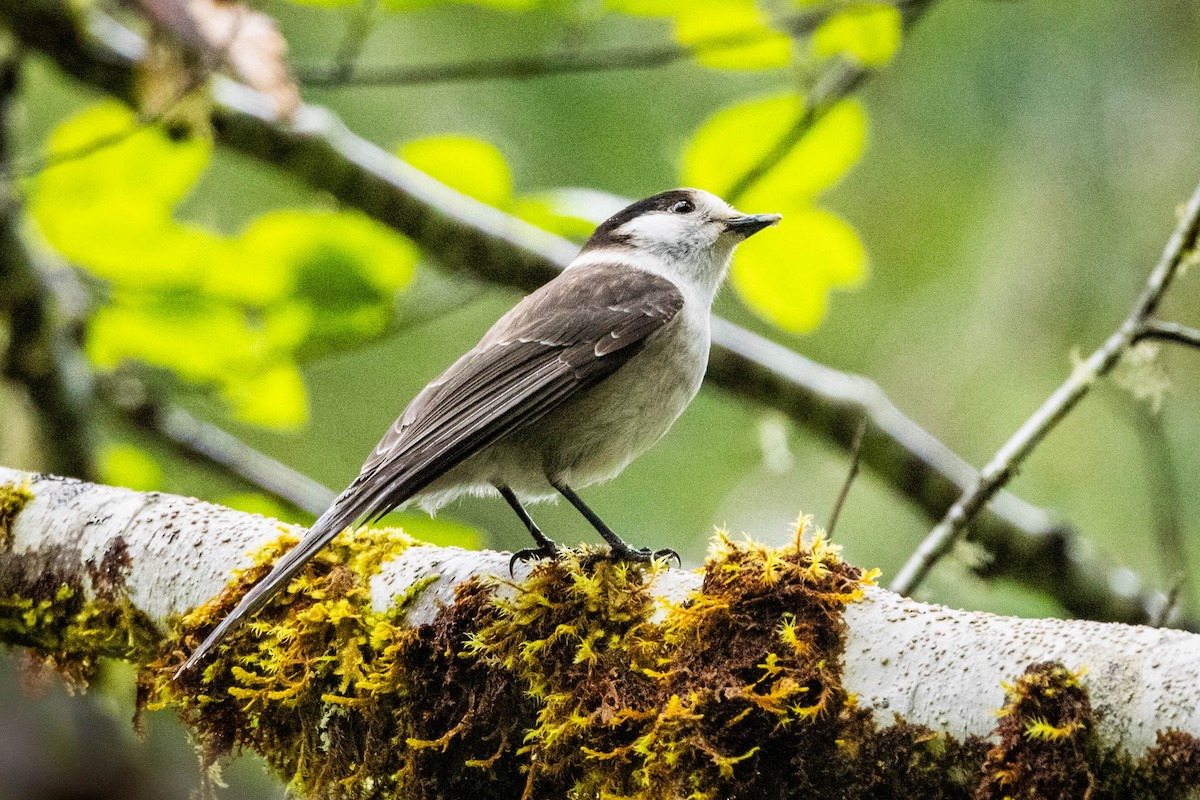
column 327, row 526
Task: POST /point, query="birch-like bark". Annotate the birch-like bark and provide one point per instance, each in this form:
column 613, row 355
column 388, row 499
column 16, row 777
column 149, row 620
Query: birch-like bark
column 932, row 665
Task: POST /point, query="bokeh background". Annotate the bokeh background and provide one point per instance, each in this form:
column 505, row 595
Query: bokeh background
column 1022, row 168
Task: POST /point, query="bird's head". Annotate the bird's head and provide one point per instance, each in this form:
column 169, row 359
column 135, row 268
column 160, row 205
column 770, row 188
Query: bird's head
column 687, row 235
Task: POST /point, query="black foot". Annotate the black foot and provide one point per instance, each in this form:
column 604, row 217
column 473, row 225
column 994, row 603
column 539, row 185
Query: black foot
column 548, row 550
column 642, row 555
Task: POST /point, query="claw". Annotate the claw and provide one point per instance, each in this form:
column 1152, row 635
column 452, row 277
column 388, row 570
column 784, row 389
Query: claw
column 643, row 555
column 530, row 553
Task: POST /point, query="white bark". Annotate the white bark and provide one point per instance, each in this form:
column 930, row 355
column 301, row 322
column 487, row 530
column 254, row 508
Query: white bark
column 932, row 665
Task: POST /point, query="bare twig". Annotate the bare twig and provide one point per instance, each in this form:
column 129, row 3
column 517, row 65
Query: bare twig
column 1170, row 332
column 855, row 459
column 361, row 24
column 39, row 355
column 1165, row 501
column 1171, row 604
column 1026, row 543
column 608, row 59
column 1009, row 458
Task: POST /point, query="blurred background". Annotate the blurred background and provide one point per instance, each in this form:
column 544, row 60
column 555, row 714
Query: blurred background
column 1021, row 169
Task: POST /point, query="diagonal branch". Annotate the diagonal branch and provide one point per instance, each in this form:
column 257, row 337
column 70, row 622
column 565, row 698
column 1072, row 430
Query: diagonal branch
column 993, row 477
column 1026, row 543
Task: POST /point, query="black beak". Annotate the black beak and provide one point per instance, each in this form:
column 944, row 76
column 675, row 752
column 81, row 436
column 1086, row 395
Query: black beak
column 749, row 224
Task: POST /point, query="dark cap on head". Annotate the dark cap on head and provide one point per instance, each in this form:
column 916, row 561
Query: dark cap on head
column 606, row 234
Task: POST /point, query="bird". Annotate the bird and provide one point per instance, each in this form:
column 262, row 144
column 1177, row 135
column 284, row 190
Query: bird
column 564, row 391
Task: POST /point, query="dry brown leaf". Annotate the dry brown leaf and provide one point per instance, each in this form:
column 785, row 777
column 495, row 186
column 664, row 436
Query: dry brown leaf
column 252, row 46
column 216, row 33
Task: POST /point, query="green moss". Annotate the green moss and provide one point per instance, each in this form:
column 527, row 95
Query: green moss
column 13, row 498
column 577, row 682
column 45, row 606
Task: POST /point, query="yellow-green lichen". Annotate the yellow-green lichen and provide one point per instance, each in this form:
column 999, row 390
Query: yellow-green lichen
column 71, row 613
column 13, row 499
column 576, row 682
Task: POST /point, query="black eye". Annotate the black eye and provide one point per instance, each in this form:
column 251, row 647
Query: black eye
column 683, row 207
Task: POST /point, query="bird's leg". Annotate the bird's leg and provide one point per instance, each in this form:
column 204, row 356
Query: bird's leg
column 620, row 548
column 546, row 547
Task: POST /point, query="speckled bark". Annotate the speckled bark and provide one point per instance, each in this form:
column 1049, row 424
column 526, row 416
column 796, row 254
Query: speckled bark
column 932, row 665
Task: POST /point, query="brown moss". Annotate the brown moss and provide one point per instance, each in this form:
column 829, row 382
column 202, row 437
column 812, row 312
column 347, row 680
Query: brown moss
column 70, row 617
column 1047, row 740
column 576, row 682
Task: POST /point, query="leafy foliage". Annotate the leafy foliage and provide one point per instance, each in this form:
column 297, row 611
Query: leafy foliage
column 236, row 314
column 786, row 276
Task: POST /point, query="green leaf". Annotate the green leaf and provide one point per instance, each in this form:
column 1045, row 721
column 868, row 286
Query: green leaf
column 199, row 338
column 110, row 210
column 129, row 466
column 737, row 138
column 331, row 277
column 869, row 33
column 701, row 23
column 784, row 275
column 272, row 399
column 471, row 166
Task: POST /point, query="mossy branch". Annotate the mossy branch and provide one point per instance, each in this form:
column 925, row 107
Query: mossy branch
column 393, row 668
column 1025, row 543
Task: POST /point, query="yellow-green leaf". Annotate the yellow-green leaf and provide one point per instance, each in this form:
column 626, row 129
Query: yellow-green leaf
column 702, row 24
column 273, row 399
column 129, row 466
column 785, row 275
column 737, row 138
column 472, row 166
column 869, row 33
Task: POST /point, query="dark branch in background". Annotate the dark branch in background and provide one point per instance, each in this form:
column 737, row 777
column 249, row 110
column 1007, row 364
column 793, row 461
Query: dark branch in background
column 463, row 235
column 996, row 474
column 362, row 22
column 855, row 463
column 209, row 444
column 609, row 59
column 39, row 354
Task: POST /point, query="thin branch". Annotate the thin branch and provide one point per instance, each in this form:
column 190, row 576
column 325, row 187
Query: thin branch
column 855, row 462
column 202, row 441
column 1170, row 332
column 39, row 354
column 1165, row 500
column 1027, row 544
column 1009, row 458
column 601, row 60
column 362, row 23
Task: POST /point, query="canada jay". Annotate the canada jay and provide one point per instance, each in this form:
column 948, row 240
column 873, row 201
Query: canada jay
column 567, row 388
